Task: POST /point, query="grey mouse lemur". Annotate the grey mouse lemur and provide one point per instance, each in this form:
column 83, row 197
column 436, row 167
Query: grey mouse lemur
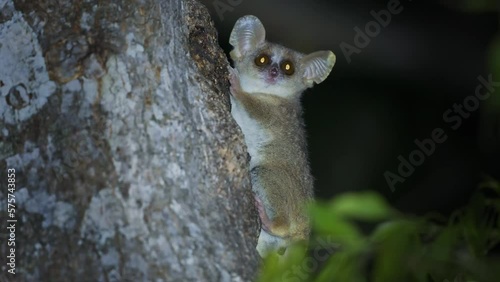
column 266, row 86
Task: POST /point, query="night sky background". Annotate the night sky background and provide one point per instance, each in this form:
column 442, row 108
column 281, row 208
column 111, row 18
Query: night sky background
column 396, row 90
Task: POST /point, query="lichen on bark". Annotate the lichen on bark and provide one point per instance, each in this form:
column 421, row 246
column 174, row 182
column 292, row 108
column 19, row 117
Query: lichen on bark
column 129, row 166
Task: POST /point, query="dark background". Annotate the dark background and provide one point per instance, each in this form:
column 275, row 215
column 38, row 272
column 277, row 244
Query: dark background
column 396, row 90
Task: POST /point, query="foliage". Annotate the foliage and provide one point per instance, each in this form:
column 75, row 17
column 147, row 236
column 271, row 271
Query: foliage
column 494, row 65
column 478, row 5
column 493, row 56
column 359, row 237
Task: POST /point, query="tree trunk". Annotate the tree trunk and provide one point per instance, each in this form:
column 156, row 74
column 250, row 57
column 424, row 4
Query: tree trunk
column 115, row 116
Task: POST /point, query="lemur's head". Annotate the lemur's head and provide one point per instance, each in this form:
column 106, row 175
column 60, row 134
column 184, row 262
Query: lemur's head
column 271, row 68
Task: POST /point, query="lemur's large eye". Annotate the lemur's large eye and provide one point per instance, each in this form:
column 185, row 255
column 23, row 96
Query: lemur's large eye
column 287, row 67
column 262, row 60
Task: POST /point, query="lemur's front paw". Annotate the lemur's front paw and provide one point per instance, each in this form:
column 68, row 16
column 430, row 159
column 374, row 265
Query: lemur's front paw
column 234, row 79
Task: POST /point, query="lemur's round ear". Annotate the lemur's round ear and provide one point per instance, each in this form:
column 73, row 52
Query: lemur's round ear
column 317, row 66
column 248, row 32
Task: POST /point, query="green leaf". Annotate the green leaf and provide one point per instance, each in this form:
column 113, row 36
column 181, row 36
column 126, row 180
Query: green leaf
column 292, row 266
column 395, row 242
column 270, row 269
column 328, row 224
column 367, row 206
column 342, row 266
column 442, row 247
column 490, row 183
column 470, row 224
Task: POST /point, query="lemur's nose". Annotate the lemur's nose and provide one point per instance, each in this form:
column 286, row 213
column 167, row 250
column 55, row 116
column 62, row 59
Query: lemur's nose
column 274, row 71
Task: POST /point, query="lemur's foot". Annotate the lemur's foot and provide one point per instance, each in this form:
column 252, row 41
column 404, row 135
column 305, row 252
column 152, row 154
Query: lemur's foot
column 264, row 219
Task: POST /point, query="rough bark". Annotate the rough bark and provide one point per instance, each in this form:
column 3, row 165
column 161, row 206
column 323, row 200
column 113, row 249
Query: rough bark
column 116, row 117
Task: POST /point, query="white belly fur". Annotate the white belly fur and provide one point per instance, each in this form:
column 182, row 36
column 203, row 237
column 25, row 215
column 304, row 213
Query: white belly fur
column 254, row 133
